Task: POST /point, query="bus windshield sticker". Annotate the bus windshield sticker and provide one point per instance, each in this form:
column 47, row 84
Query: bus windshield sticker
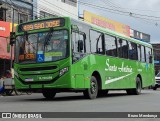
column 40, row 34
column 53, row 54
column 48, row 58
column 27, row 57
column 21, row 57
column 65, row 37
column 40, row 58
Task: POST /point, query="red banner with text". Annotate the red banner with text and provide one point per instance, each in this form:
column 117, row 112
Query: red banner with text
column 4, row 29
column 5, row 48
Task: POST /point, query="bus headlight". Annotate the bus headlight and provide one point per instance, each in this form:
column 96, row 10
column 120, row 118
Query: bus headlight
column 63, row 71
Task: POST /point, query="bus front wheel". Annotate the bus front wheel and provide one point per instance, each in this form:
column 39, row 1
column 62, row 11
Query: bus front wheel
column 92, row 92
column 49, row 93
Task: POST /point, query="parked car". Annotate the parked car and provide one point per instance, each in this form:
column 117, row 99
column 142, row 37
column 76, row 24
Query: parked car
column 157, row 84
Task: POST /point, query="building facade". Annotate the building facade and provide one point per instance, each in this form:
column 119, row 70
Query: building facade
column 17, row 10
column 50, row 8
column 12, row 12
column 156, row 49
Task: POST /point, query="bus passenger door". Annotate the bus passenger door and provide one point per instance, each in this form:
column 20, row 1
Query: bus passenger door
column 78, row 58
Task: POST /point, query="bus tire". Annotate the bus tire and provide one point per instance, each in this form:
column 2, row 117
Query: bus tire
column 102, row 93
column 138, row 88
column 155, row 88
column 49, row 93
column 92, row 92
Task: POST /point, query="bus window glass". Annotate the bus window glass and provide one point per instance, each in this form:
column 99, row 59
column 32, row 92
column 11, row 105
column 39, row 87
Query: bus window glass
column 76, row 38
column 110, row 46
column 99, row 45
column 139, row 52
column 95, row 38
column 122, row 48
column 31, row 44
column 143, row 59
column 133, row 51
column 78, row 45
column 40, row 47
column 148, row 55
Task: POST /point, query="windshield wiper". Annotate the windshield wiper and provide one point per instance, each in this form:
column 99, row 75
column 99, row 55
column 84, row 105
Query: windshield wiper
column 48, row 37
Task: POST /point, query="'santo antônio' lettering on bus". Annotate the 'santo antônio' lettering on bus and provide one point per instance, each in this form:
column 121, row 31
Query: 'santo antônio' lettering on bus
column 115, row 68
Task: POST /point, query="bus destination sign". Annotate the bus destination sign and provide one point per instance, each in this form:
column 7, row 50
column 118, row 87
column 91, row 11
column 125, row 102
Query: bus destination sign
column 42, row 24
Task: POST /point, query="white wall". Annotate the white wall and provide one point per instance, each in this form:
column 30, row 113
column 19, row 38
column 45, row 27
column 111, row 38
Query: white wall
column 55, row 7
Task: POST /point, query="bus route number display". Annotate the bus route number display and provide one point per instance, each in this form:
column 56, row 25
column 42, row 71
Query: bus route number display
column 42, row 24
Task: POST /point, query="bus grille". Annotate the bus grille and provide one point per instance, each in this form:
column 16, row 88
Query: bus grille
column 38, row 68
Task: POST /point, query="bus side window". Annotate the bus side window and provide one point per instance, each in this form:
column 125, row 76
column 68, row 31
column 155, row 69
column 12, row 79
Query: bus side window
column 143, row 57
column 133, row 55
column 78, row 39
column 78, row 45
column 110, row 46
column 139, row 52
column 148, row 55
column 122, row 48
column 96, row 41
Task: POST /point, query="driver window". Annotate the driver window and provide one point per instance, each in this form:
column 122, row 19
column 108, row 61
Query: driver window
column 78, row 45
column 77, row 39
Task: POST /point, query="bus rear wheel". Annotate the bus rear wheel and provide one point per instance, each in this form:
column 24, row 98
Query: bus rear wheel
column 92, row 92
column 49, row 93
column 137, row 90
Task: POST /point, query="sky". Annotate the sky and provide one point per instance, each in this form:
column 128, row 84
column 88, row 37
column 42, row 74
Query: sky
column 141, row 15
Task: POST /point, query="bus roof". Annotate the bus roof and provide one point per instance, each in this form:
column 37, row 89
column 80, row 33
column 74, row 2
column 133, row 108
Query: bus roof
column 113, row 33
column 95, row 27
column 110, row 32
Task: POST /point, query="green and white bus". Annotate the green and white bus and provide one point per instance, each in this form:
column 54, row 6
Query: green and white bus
column 60, row 54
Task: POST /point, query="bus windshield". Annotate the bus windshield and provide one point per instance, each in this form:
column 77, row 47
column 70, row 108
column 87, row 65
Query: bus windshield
column 41, row 47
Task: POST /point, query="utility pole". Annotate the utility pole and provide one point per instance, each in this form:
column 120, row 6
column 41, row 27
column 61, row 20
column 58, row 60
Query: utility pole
column 12, row 31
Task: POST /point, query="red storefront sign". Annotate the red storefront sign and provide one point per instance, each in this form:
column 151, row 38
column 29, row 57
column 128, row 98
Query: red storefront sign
column 4, row 29
column 5, row 48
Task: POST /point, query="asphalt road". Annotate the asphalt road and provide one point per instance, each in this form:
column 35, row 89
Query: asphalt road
column 116, row 101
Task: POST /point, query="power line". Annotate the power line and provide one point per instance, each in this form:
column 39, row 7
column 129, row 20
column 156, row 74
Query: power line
column 120, row 12
column 119, row 6
column 114, row 5
column 50, row 4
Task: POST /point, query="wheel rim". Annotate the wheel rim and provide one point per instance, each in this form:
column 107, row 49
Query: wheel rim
column 93, row 87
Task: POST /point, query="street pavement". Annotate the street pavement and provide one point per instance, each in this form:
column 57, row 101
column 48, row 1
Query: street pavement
column 116, row 101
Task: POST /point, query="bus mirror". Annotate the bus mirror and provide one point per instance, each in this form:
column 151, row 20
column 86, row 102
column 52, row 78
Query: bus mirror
column 12, row 38
column 80, row 45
